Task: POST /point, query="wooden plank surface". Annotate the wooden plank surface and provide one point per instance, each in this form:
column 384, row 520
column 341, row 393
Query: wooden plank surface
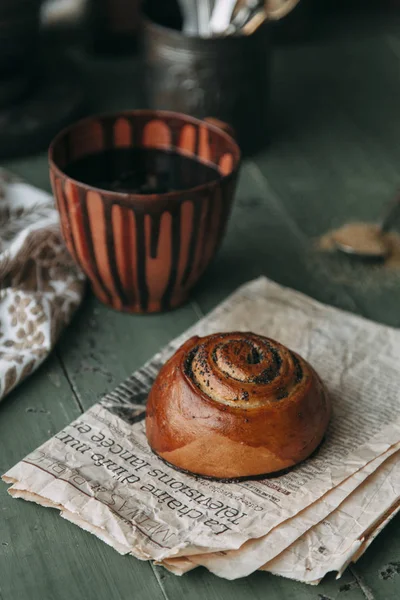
column 334, row 155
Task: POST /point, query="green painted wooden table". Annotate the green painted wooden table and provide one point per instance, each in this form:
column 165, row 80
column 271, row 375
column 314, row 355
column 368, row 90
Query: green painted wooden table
column 334, row 155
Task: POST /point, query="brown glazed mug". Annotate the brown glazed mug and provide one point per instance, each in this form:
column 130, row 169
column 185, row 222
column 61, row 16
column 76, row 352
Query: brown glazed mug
column 144, row 252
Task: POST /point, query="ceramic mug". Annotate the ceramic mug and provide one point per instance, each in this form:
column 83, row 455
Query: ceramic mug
column 144, row 252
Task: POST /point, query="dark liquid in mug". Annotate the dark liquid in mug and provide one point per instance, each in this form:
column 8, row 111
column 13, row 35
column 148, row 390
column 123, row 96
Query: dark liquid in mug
column 141, row 171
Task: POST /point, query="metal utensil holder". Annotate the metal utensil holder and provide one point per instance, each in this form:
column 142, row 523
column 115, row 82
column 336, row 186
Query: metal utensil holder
column 224, row 77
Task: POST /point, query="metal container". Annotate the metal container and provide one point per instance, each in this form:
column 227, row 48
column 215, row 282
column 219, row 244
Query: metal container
column 223, row 77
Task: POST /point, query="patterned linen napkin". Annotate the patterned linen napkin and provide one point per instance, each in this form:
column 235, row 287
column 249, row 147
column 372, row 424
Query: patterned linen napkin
column 40, row 286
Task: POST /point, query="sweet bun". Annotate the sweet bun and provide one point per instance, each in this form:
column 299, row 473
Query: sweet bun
column 236, row 405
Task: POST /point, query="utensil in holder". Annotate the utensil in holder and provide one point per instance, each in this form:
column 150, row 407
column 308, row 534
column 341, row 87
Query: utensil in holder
column 227, row 77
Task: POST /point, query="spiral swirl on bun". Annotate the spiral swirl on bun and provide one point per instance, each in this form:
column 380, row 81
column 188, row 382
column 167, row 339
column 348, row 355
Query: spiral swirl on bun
column 236, row 405
column 245, row 371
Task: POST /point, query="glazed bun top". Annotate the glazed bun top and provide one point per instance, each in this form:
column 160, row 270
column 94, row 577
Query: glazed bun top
column 245, row 370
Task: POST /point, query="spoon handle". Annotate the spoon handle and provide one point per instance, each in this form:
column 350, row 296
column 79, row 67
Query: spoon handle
column 222, row 15
column 189, row 12
column 203, row 17
column 392, row 213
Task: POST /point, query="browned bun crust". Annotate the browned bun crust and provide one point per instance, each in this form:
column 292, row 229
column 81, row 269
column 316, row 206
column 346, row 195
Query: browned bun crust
column 234, row 405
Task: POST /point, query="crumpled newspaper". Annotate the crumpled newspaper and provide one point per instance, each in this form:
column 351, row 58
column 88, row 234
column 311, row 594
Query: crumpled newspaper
column 40, row 287
column 318, row 517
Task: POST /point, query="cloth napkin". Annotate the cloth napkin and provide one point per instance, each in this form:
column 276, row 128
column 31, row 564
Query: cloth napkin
column 40, row 286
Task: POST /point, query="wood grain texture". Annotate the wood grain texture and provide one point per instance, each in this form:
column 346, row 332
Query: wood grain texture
column 334, row 154
column 103, row 347
column 200, row 585
column 379, row 568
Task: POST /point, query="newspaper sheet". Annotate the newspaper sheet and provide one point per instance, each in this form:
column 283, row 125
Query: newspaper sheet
column 101, row 474
column 255, row 553
column 336, row 541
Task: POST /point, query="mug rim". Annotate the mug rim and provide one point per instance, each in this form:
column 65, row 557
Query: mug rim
column 142, row 197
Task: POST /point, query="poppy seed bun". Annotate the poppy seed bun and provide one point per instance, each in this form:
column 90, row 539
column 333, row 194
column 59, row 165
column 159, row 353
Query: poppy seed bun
column 236, row 405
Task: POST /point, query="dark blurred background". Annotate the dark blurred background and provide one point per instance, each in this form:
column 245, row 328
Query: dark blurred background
column 51, row 50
